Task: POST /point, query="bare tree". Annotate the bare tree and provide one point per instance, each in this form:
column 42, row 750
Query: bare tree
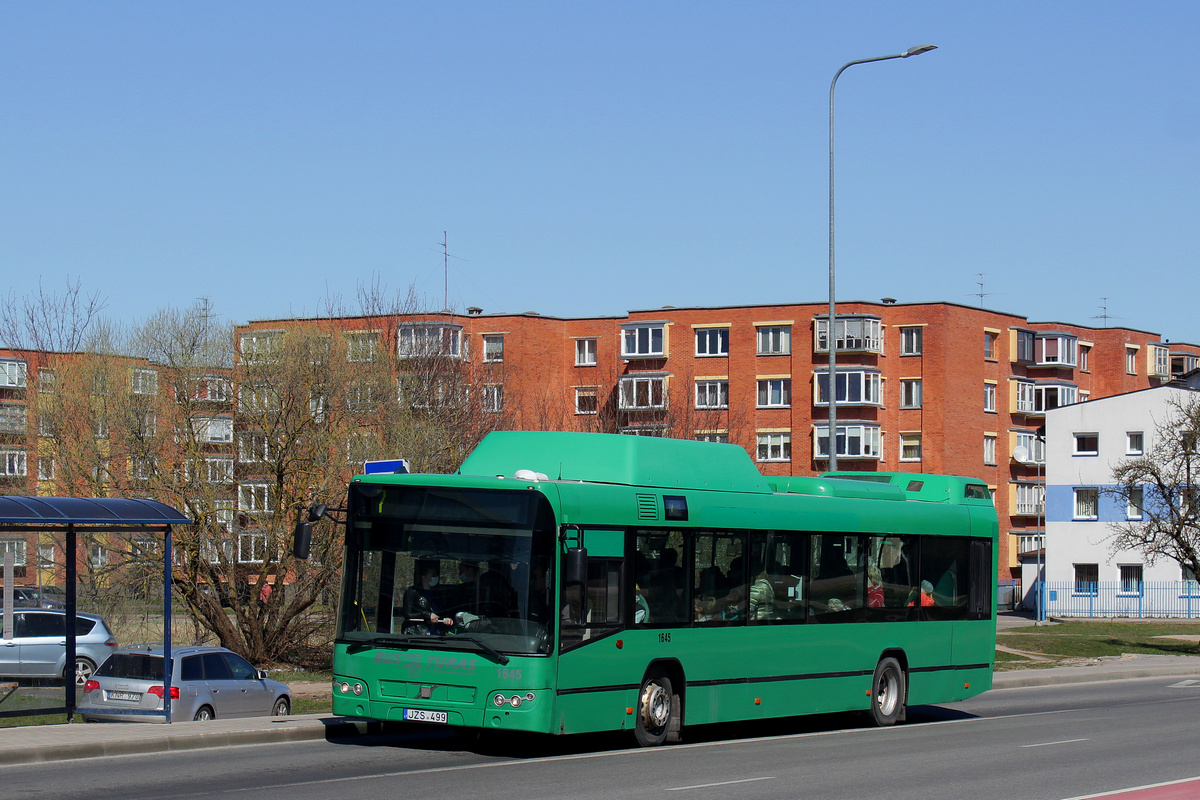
column 49, row 322
column 1163, row 483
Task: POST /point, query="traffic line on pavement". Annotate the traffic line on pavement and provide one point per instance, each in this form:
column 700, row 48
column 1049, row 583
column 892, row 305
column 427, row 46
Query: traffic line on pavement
column 1183, row 789
column 1051, row 744
column 722, row 783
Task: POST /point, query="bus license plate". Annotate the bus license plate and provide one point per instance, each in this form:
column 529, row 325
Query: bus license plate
column 422, row 715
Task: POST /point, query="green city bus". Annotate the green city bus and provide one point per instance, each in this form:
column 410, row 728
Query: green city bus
column 572, row 582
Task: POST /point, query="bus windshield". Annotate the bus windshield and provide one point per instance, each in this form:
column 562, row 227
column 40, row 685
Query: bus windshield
column 448, row 568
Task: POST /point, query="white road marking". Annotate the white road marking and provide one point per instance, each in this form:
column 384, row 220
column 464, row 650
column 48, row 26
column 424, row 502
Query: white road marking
column 722, row 783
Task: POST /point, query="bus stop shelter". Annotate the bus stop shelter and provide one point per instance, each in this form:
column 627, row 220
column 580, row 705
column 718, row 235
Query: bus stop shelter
column 67, row 515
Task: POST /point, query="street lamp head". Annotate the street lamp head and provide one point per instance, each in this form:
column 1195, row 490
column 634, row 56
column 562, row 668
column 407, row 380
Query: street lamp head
column 916, row 51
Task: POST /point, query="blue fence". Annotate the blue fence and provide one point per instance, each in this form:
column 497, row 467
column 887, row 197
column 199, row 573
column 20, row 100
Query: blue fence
column 1161, row 599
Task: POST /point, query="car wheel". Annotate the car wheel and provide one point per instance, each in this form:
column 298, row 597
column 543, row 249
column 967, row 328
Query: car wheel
column 204, row 714
column 282, row 708
column 84, row 669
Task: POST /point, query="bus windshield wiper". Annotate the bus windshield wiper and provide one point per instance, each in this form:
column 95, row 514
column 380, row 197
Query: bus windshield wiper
column 503, row 659
column 389, row 641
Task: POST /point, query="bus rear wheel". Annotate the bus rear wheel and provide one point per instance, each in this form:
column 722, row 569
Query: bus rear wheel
column 887, row 693
column 655, row 708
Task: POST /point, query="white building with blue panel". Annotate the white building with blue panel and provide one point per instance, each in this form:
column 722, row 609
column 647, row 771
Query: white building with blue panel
column 1084, row 575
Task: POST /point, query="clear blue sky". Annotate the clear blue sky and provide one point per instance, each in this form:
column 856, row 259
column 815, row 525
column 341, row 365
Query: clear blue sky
column 587, row 158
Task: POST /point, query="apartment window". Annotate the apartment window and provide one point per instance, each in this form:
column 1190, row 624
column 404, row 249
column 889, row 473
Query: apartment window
column 712, row 394
column 910, row 447
column 12, row 462
column 585, row 352
column 643, row 341
column 361, row 396
column 45, row 468
column 1134, row 443
column 100, row 427
column 1085, row 352
column 910, row 341
column 253, row 447
column 147, row 424
column 141, row 468
column 586, row 400
column 773, row 340
column 1133, row 506
column 853, row 441
column 211, row 388
column 12, row 418
column 258, row 397
column 1025, row 347
column 493, row 398
column 851, row 333
column 47, row 426
column 1087, row 444
column 98, row 556
column 989, row 398
column 1034, row 446
column 1087, row 502
column 989, row 450
column 12, row 374
column 1160, row 361
column 360, row 446
column 218, row 470
column 1031, row 499
column 1086, row 578
column 1056, row 350
column 1131, row 578
column 100, row 472
column 910, row 392
column 423, row 340
column 255, row 498
column 493, row 348
column 213, row 430
column 16, row 546
column 1131, row 360
column 1039, row 398
column 712, row 341
column 252, row 547
column 47, row 381
column 854, row 387
column 362, row 346
column 774, row 447
column 643, row 392
column 145, row 381
column 1025, row 397
column 991, row 340
column 261, row 346
column 712, row 436
column 774, row 392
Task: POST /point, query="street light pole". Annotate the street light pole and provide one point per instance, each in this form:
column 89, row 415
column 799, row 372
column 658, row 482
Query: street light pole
column 831, row 335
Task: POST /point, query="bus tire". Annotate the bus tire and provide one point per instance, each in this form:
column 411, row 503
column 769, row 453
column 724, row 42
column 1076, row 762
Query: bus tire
column 888, row 693
column 655, row 709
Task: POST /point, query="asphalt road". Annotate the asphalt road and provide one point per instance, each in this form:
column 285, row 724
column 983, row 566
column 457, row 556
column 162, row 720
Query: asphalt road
column 1043, row 743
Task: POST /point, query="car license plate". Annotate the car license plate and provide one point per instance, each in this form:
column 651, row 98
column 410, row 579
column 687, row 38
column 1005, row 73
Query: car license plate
column 124, row 695
column 422, row 715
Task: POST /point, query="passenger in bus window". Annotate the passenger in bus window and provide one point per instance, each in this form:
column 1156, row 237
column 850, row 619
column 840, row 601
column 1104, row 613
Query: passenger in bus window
column 420, row 613
column 874, row 587
column 762, row 598
column 926, row 595
column 641, row 609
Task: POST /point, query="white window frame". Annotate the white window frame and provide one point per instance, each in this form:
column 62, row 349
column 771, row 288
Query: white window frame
column 12, row 418
column 582, row 392
column 633, row 388
column 774, row 393
column 252, row 546
column 712, row 342
column 644, row 340
column 911, row 390
column 911, row 340
column 144, row 381
column 867, row 383
column 773, row 340
column 1135, row 443
column 989, row 397
column 493, row 348
column 45, row 468
column 1134, row 505
column 423, row 339
column 910, row 446
column 18, row 546
column 774, row 446
column 258, row 347
column 493, row 398
column 1131, row 578
column 212, row 388
column 989, row 449
column 362, row 347
column 256, row 498
column 12, row 462
column 712, row 394
column 253, row 447
column 218, row 469
column 147, row 423
column 868, row 436
column 1033, row 445
column 1086, row 443
column 1063, row 353
column 1131, row 354
column 1065, row 396
column 720, row 437
column 47, row 380
column 853, row 334
column 12, row 373
column 1086, row 504
column 1160, row 361
column 585, row 352
column 1031, row 499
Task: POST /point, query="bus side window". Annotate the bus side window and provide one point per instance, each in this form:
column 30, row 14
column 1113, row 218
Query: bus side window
column 719, row 578
column 891, row 578
column 589, row 610
column 777, row 583
column 944, row 569
column 836, row 578
column 661, row 581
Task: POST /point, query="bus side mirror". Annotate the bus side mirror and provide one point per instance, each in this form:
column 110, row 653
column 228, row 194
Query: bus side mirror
column 576, row 571
column 302, row 540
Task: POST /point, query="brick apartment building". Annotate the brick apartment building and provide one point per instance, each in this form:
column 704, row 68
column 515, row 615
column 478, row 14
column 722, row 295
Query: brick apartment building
column 922, row 387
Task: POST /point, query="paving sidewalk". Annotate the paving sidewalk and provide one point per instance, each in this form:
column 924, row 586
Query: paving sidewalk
column 43, row 743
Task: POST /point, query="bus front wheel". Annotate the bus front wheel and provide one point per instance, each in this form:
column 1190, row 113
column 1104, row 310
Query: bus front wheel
column 655, row 707
column 887, row 693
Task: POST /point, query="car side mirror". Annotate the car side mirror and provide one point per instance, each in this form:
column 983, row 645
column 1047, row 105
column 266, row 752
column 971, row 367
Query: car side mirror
column 262, row 674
